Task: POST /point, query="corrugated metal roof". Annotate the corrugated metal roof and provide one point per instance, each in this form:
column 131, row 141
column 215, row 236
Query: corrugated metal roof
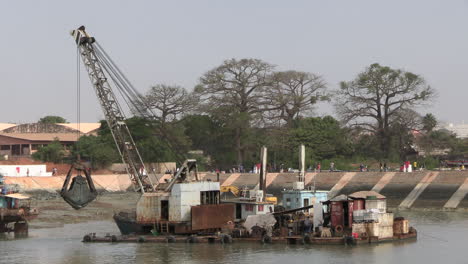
column 84, row 127
column 364, row 194
column 339, row 198
column 42, row 136
column 6, row 125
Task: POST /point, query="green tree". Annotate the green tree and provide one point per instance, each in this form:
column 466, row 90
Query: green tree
column 460, row 149
column 439, row 143
column 52, row 119
column 213, row 137
column 323, row 137
column 53, row 152
column 153, row 143
column 98, row 150
column 429, row 122
column 377, row 95
column 404, row 123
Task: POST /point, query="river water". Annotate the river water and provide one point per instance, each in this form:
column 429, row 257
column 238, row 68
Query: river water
column 441, row 239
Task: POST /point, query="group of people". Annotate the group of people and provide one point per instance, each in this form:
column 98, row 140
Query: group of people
column 408, row 167
column 317, row 167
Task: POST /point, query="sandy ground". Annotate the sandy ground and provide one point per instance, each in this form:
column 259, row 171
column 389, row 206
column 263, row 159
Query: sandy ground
column 54, row 212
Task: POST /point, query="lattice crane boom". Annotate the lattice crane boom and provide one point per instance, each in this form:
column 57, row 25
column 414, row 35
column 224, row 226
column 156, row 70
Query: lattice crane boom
column 97, row 67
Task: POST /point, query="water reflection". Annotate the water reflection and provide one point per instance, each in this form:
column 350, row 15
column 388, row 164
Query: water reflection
column 441, row 239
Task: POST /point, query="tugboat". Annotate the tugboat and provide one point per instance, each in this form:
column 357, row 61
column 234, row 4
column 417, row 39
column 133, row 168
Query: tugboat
column 15, row 211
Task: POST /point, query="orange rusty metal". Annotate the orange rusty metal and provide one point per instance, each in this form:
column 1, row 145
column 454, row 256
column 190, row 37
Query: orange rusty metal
column 212, row 216
column 336, row 214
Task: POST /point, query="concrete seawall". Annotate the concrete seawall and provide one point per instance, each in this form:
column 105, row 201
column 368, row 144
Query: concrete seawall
column 427, row 189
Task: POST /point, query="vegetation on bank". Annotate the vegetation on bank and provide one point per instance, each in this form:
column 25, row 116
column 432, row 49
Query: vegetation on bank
column 244, row 104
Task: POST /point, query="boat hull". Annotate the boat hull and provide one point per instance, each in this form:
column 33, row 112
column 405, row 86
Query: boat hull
column 126, row 222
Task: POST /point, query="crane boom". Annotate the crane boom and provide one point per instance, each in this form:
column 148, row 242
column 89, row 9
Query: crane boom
column 97, row 69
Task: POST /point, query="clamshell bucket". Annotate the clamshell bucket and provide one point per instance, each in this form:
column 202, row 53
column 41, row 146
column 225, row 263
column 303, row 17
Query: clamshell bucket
column 81, row 190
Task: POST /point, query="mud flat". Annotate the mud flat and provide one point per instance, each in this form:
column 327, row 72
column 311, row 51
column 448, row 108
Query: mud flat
column 54, row 212
column 421, row 190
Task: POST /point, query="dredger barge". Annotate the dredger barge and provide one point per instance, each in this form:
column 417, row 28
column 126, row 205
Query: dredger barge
column 185, row 208
column 358, row 218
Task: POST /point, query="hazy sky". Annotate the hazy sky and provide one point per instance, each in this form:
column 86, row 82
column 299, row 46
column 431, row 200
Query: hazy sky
column 175, row 42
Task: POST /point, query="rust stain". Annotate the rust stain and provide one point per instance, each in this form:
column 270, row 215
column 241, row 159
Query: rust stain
column 212, row 216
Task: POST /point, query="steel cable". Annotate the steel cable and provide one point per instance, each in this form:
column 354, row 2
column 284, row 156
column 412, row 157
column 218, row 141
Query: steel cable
column 134, row 99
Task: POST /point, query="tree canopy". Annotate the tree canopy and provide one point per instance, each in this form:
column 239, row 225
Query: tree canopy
column 377, row 96
column 53, row 152
column 170, row 102
column 429, row 122
column 295, row 93
column 51, row 119
column 243, row 104
column 235, row 92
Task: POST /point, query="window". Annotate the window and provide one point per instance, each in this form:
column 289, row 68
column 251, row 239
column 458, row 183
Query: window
column 5, row 147
column 209, row 197
column 260, row 207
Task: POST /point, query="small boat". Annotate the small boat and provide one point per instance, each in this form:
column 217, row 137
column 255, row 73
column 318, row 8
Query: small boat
column 15, row 210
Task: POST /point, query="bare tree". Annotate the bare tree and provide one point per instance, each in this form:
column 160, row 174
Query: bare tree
column 235, row 92
column 376, row 95
column 295, row 93
column 170, row 102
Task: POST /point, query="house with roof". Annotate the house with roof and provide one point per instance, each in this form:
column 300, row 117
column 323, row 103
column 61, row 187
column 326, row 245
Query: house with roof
column 25, row 139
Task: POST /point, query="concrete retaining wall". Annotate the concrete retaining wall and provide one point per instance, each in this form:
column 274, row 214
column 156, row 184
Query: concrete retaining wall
column 444, row 189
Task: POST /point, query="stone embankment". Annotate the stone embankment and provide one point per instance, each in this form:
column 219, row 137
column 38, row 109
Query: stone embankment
column 425, row 189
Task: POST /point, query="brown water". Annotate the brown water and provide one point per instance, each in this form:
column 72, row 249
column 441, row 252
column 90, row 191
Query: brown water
column 441, row 239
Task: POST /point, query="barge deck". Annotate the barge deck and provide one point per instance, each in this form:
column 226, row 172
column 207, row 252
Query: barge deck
column 226, row 239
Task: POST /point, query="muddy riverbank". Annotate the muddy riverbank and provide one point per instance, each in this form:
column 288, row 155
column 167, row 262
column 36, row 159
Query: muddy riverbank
column 54, row 212
column 442, row 190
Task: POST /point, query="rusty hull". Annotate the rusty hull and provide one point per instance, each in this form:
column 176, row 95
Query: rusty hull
column 212, row 216
column 15, row 215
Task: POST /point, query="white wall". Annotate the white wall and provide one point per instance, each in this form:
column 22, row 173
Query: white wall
column 21, row 170
column 186, row 195
column 266, row 210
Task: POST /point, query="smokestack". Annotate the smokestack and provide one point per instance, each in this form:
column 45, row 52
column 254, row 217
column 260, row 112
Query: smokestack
column 302, row 163
column 263, row 157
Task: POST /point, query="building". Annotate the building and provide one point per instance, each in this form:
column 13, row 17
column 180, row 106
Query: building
column 25, row 139
column 461, row 130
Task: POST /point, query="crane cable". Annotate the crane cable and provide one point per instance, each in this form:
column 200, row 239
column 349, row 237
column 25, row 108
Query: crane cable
column 134, row 99
column 78, row 109
column 78, row 98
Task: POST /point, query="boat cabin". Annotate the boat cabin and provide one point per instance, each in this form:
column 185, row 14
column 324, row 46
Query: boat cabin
column 293, row 199
column 252, row 204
